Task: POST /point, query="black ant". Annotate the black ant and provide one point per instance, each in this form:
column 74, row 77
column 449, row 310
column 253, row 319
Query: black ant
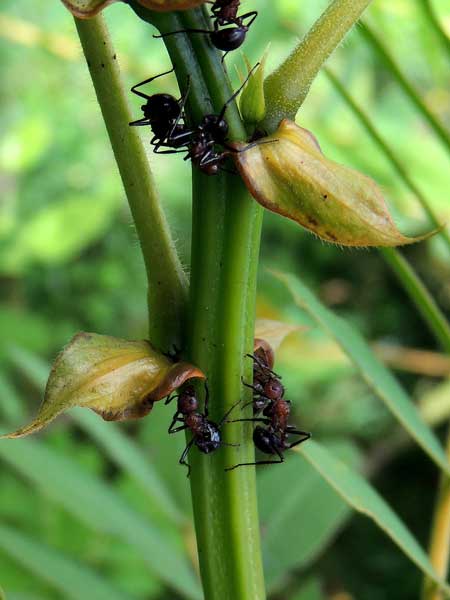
column 163, row 113
column 268, row 397
column 212, row 130
column 225, row 13
column 206, row 434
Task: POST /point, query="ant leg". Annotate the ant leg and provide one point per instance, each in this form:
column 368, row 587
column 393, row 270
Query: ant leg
column 170, row 398
column 175, row 420
column 305, row 436
column 162, row 35
column 260, row 462
column 157, row 151
column 224, row 418
column 177, row 429
column 262, row 366
column 253, row 420
column 206, row 411
column 149, row 80
column 253, row 16
column 237, row 92
column 139, row 122
column 182, row 460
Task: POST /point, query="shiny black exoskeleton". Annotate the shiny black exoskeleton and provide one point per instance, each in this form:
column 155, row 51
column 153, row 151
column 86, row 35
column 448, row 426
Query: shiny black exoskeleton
column 212, row 132
column 225, row 14
column 165, row 116
column 268, row 397
column 206, row 434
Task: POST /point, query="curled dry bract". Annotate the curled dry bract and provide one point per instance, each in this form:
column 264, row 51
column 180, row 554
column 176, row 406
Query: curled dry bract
column 291, row 176
column 118, row 379
column 85, row 9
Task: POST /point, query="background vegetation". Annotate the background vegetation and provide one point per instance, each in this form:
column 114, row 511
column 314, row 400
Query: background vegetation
column 107, row 507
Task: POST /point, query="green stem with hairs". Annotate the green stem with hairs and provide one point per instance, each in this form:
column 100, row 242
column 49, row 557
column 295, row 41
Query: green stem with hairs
column 167, row 285
column 287, row 87
column 226, row 232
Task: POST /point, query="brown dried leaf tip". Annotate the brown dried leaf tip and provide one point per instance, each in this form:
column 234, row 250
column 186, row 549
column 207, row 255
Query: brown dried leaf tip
column 118, row 379
column 292, row 177
column 86, row 9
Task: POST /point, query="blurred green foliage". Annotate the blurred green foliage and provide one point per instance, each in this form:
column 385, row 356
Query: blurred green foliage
column 69, row 261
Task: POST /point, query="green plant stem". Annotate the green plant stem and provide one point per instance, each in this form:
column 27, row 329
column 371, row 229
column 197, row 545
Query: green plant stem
column 225, row 245
column 390, row 154
column 167, row 286
column 373, row 39
column 419, row 295
column 287, row 87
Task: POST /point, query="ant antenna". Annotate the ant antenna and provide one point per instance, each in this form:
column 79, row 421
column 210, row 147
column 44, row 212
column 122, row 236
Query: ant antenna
column 237, row 92
column 149, row 80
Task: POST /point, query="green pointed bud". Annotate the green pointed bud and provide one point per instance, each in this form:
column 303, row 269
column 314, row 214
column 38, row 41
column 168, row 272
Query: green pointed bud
column 252, row 103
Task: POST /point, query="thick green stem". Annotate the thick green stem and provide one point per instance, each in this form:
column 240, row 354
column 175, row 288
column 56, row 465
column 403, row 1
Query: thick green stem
column 287, row 87
column 225, row 245
column 374, row 40
column 167, row 286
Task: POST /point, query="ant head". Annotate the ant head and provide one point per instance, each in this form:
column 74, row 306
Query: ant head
column 188, row 402
column 161, row 106
column 229, row 38
column 273, row 389
column 216, row 126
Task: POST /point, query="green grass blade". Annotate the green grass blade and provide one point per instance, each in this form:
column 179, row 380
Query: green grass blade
column 72, row 580
column 98, row 506
column 11, row 408
column 374, row 41
column 365, row 499
column 387, row 150
column 306, row 531
column 378, row 378
column 117, row 445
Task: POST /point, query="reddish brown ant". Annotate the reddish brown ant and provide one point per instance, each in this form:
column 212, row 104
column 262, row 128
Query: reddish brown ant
column 206, row 434
column 268, row 397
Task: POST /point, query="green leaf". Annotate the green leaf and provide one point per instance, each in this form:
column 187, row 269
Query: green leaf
column 96, row 505
column 118, row 379
column 295, row 529
column 378, row 378
column 288, row 174
column 128, row 456
column 72, row 580
column 366, row 500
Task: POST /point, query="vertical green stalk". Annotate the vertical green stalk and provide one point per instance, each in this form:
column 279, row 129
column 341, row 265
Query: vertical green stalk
column 226, row 231
column 167, row 286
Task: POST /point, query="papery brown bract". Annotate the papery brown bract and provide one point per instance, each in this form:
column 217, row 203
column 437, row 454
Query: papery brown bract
column 292, row 177
column 116, row 378
column 86, row 9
